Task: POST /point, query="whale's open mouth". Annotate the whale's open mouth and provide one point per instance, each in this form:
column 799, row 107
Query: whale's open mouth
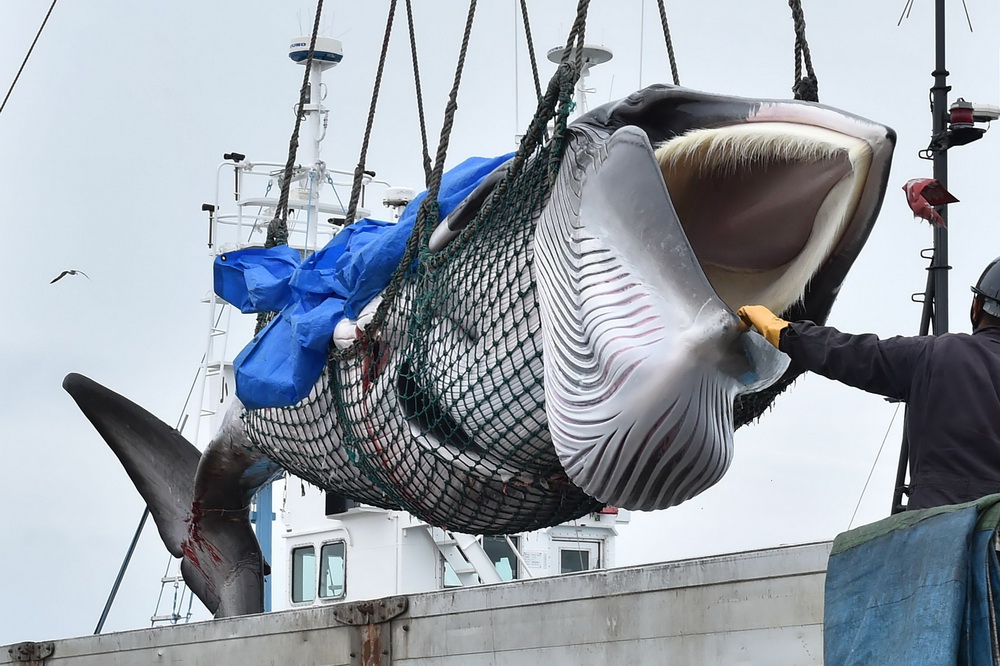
column 688, row 207
column 669, row 211
column 764, row 204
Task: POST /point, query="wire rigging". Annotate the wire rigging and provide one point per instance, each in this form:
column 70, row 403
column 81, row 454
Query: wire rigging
column 968, row 18
column 27, row 55
column 874, row 465
column 908, row 7
column 906, row 12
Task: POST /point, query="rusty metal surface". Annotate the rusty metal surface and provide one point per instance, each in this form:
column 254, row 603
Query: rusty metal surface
column 370, row 644
column 357, row 613
column 31, row 653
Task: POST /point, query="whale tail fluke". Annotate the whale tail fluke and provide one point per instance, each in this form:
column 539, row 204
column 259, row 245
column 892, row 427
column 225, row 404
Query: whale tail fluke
column 160, row 462
column 200, row 503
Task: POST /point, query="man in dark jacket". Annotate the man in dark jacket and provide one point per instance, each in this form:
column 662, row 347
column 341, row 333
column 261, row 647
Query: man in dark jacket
column 951, row 384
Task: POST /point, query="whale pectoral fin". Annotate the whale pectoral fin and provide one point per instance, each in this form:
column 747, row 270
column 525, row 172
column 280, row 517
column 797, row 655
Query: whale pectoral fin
column 160, row 462
column 764, row 367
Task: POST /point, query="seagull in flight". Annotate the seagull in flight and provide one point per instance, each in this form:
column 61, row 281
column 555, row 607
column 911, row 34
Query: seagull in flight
column 69, row 272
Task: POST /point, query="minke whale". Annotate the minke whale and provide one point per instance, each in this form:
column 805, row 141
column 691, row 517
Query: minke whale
column 614, row 371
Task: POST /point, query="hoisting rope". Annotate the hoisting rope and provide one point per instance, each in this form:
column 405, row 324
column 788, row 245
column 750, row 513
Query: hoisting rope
column 574, row 45
column 670, row 43
column 277, row 229
column 557, row 101
column 449, row 119
column 359, row 171
column 805, row 87
column 420, row 97
column 428, row 212
column 531, row 48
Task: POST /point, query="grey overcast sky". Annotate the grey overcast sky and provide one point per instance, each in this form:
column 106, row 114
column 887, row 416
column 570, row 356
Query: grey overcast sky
column 109, row 145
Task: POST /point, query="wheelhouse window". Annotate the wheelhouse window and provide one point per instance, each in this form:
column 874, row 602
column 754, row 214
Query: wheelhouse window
column 578, row 555
column 303, row 574
column 571, row 561
column 502, row 555
column 332, row 572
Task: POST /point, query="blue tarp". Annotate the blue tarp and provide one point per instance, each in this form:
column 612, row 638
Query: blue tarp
column 915, row 589
column 282, row 363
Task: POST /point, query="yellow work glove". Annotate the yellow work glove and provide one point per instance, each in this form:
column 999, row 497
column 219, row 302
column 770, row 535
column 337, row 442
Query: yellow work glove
column 765, row 321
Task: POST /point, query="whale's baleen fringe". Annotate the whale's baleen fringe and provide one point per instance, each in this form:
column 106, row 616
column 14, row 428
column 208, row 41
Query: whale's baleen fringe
column 728, row 150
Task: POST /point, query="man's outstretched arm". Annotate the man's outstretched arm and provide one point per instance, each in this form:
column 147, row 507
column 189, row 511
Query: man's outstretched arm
column 863, row 361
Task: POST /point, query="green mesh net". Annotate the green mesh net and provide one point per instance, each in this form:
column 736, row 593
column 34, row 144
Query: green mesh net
column 439, row 407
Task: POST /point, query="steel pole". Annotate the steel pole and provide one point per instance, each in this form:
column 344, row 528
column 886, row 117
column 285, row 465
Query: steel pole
column 121, row 572
column 934, row 316
column 939, row 111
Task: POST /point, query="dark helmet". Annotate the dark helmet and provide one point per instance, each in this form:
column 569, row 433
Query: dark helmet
column 989, row 288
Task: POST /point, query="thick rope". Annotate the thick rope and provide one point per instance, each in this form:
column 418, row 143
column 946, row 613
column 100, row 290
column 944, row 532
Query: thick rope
column 559, row 95
column 531, row 48
column 277, row 230
column 573, row 57
column 574, row 41
column 449, row 113
column 556, row 102
column 427, row 215
column 420, row 96
column 359, row 171
column 669, row 41
column 807, row 87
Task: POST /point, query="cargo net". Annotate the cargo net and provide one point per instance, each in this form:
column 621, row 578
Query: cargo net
column 439, row 407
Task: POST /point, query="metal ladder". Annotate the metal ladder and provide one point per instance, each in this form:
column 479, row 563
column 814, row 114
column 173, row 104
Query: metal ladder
column 209, row 390
column 466, row 555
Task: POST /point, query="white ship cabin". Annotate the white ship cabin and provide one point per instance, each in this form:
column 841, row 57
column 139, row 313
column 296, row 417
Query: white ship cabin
column 337, row 551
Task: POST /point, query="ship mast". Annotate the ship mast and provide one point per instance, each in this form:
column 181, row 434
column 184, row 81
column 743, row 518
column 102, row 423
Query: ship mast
column 950, row 126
